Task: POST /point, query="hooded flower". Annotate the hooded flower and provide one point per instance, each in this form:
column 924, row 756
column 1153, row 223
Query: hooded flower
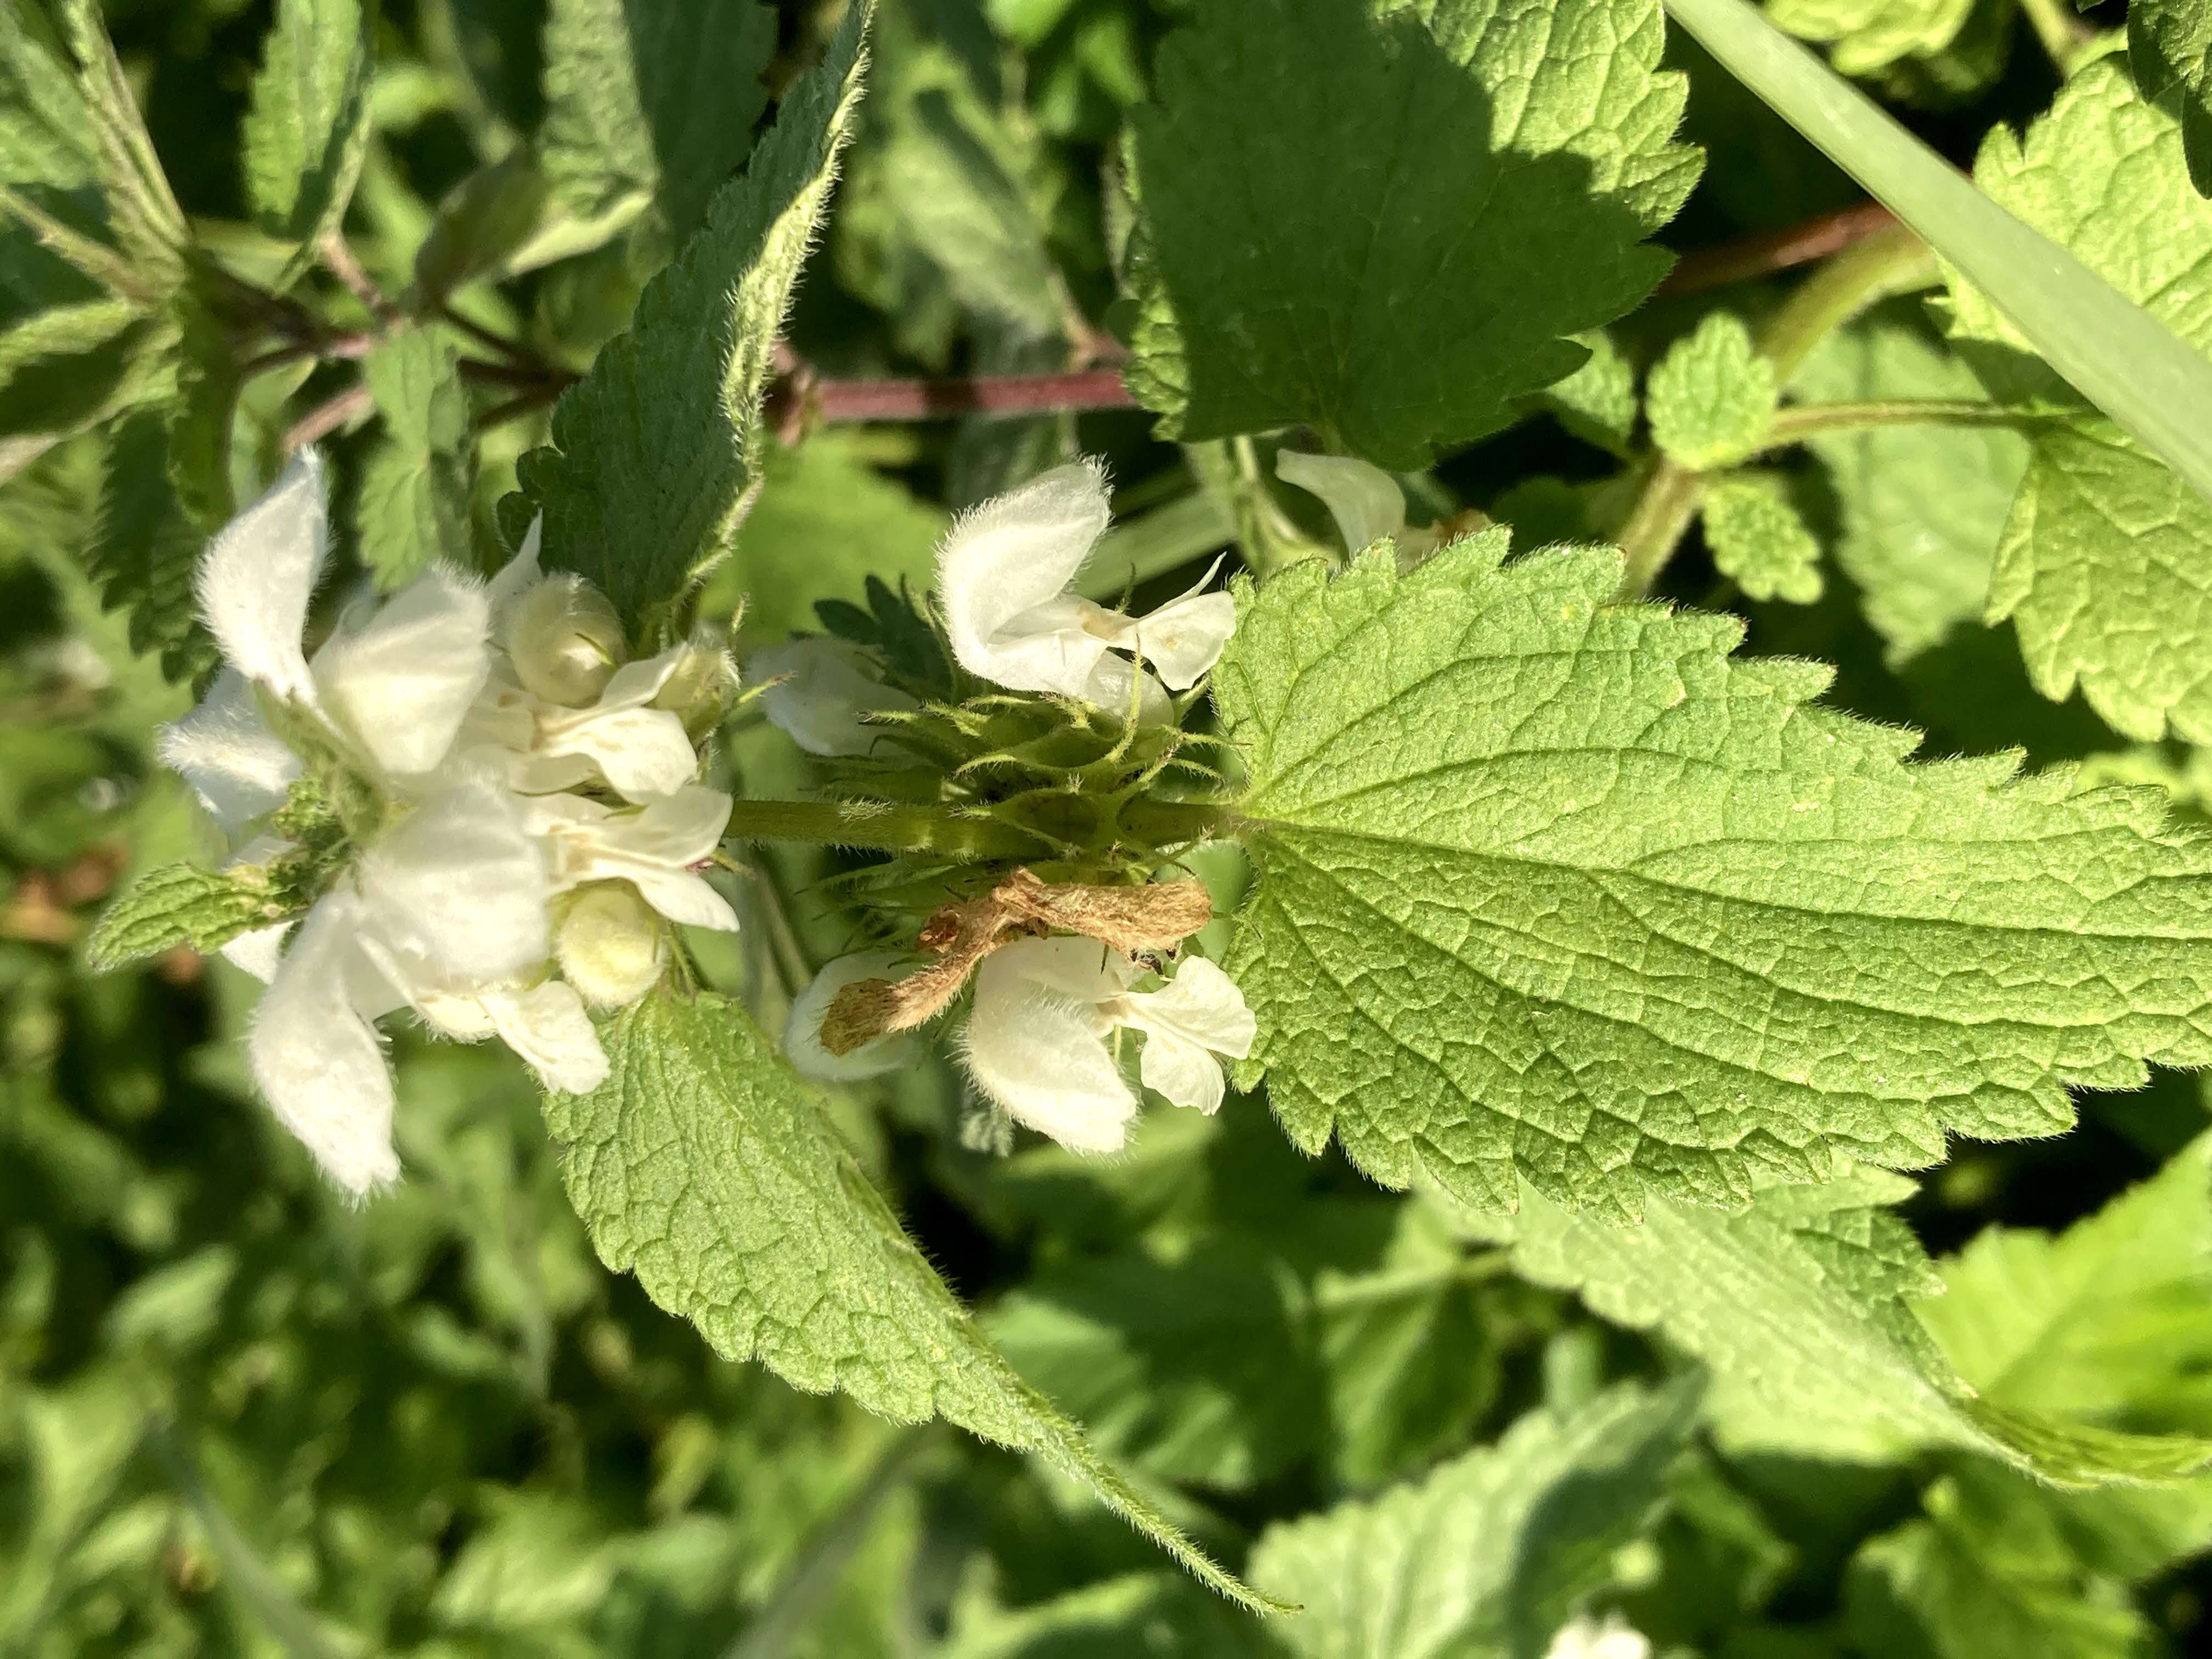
column 445, row 902
column 1585, row 1638
column 802, row 1029
column 1037, row 1040
column 1003, row 576
column 816, row 691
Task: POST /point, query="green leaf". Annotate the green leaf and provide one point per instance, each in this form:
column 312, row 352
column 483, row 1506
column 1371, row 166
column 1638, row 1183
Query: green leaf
column 2103, row 536
column 705, row 1168
column 1712, row 397
column 1598, row 402
column 1550, row 887
column 2121, row 358
column 1197, row 1370
column 307, row 127
column 414, row 489
column 149, row 225
column 1865, row 36
column 1988, row 1572
column 71, row 366
column 1758, row 538
column 1493, row 1550
column 2110, row 1320
column 43, row 135
column 182, row 904
column 201, row 415
column 1801, row 1305
column 656, row 453
column 651, row 99
column 1921, row 508
column 1328, row 191
column 940, row 215
column 145, row 546
column 2170, row 48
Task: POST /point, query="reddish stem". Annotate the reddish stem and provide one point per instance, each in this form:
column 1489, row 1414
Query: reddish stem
column 979, row 394
column 1801, row 244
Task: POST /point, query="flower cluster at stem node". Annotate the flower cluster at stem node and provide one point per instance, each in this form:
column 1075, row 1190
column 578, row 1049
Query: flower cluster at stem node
column 511, row 803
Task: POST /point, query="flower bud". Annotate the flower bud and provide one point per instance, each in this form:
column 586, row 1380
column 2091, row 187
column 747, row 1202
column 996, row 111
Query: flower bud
column 566, row 641
column 702, row 687
column 612, row 948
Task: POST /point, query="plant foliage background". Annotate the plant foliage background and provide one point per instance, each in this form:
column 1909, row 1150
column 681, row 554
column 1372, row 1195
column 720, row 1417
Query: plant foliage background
column 1386, row 1340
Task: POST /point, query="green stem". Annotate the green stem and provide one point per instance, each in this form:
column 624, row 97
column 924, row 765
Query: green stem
column 2062, row 33
column 1894, row 261
column 882, row 828
column 1794, row 426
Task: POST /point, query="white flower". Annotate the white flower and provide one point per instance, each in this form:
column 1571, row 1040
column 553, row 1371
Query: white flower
column 802, row 1027
column 1585, row 1638
column 1003, row 575
column 1365, row 501
column 445, row 906
column 816, row 691
column 1037, row 1041
column 563, row 709
column 656, row 847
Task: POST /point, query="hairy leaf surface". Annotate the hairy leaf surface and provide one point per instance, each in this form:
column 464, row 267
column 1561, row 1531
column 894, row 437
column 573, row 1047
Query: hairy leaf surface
column 414, row 501
column 651, row 99
column 307, row 129
column 2103, row 538
column 1802, row 1306
column 1383, row 219
column 183, row 904
column 1493, row 1551
column 703, row 1166
column 1552, row 887
column 1920, row 507
column 655, row 453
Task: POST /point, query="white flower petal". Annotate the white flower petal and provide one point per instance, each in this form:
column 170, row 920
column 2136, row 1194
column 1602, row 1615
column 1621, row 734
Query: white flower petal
column 643, row 753
column 1010, row 555
column 1109, row 687
column 226, row 752
column 1201, row 1004
column 403, row 682
column 1365, row 501
column 257, row 575
column 548, row 1027
column 318, row 1060
column 822, row 694
column 462, row 884
column 1183, row 1073
column 1184, row 638
column 258, row 950
column 1040, row 1055
column 802, row 1029
column 653, row 848
column 1585, row 1638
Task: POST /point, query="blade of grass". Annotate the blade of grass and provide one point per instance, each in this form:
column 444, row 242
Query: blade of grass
column 2113, row 352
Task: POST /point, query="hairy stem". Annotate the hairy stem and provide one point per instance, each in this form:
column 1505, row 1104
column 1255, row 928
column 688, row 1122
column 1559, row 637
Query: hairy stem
column 881, row 828
column 1794, row 426
column 2062, row 33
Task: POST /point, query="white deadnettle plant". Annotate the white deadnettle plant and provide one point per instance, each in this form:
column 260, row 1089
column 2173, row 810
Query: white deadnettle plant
column 1003, row 574
column 454, row 721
